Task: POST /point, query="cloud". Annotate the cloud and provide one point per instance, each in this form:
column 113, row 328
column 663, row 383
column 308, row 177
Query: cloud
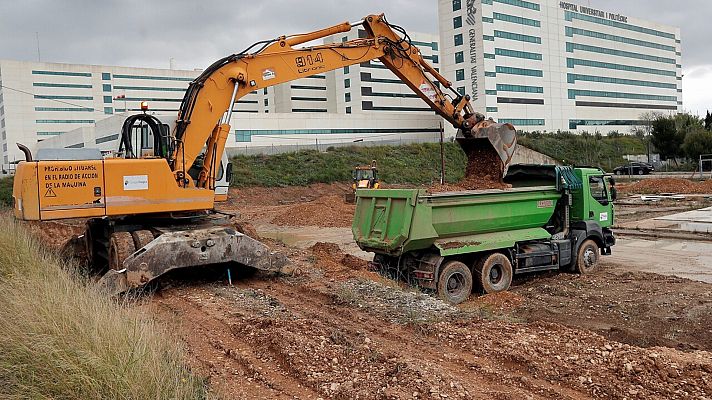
column 697, row 90
column 149, row 33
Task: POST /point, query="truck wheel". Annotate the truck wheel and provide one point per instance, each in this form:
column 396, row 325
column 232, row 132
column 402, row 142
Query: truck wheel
column 455, row 282
column 494, row 273
column 121, row 246
column 587, row 258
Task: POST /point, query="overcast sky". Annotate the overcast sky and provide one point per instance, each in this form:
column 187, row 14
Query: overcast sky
column 148, row 33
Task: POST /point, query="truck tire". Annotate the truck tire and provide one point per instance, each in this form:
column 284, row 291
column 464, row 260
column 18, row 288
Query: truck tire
column 587, row 257
column 455, row 282
column 494, row 273
column 121, row 245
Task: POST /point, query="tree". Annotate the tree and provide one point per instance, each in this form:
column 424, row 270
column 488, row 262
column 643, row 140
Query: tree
column 697, row 143
column 665, row 138
column 647, row 119
column 708, row 121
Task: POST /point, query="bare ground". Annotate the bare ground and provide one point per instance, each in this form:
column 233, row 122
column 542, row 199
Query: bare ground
column 337, row 330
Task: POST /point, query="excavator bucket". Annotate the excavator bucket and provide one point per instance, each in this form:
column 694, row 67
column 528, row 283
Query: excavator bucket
column 502, row 138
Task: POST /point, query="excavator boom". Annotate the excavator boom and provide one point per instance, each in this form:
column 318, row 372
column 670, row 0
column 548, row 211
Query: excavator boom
column 210, row 96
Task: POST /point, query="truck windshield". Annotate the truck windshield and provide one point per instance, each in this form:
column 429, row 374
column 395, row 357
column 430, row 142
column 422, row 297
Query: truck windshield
column 598, row 189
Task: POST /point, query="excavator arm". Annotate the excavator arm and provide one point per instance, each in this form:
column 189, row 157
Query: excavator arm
column 207, row 106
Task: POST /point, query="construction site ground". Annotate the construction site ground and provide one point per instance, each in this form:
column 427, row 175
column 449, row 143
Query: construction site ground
column 639, row 327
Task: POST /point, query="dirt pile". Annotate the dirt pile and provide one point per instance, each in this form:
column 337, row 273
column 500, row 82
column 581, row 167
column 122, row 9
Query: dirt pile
column 329, row 258
column 669, row 185
column 484, row 170
column 55, row 234
column 640, row 309
column 326, row 212
column 274, row 196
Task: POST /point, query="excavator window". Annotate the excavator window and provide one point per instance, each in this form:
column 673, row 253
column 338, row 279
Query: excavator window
column 361, row 174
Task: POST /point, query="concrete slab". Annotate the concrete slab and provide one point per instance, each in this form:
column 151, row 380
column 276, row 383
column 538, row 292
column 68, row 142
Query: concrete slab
column 692, row 260
column 690, row 221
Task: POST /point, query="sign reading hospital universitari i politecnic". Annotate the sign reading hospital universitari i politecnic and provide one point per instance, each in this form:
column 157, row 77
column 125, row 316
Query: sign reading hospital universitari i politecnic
column 592, row 11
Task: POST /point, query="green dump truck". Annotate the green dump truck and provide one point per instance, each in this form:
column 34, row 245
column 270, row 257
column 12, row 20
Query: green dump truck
column 552, row 218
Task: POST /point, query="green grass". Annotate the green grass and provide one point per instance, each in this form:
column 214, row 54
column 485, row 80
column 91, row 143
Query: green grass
column 579, row 149
column 418, row 164
column 64, row 339
column 6, row 192
column 407, row 164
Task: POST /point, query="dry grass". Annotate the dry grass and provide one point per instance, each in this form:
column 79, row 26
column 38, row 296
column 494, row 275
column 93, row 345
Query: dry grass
column 61, row 338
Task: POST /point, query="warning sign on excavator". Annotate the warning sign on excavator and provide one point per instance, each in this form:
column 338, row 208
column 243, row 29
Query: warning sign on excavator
column 50, row 193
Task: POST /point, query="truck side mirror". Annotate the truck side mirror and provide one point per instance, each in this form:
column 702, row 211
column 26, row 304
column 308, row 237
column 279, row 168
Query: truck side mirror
column 614, row 193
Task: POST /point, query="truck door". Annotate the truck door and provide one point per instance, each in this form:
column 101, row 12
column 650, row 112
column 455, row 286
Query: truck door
column 600, row 206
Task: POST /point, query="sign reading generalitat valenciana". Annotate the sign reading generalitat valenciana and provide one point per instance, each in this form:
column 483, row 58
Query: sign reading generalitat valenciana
column 592, row 11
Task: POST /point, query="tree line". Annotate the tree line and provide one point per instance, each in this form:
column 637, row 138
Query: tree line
column 680, row 136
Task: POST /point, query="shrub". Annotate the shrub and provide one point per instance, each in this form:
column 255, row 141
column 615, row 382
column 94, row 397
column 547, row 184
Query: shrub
column 64, row 339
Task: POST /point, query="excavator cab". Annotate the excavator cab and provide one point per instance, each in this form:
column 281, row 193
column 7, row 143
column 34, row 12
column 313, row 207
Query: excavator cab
column 364, row 177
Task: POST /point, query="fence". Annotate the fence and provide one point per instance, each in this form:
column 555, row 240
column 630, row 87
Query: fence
column 324, row 144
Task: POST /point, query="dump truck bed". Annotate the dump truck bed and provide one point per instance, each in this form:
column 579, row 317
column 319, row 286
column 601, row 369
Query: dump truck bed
column 396, row 221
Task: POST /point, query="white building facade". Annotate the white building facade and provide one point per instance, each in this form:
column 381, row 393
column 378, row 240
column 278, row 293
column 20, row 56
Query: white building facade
column 547, row 65
column 39, row 101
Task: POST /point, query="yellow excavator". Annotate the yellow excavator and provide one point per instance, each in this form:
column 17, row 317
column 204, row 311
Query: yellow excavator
column 364, row 177
column 150, row 214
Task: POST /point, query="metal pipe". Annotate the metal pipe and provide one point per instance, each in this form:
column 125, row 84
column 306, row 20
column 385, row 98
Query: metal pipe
column 232, row 102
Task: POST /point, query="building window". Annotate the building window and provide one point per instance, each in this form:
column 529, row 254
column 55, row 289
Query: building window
column 434, row 58
column 459, row 57
column 516, row 20
column 243, row 136
column 460, row 75
column 520, row 88
column 490, row 74
column 456, row 5
column 517, row 3
column 518, row 37
column 347, row 83
column 457, row 22
column 461, row 90
column 346, row 69
column 491, row 109
column 107, row 99
column 266, row 102
column 106, row 87
column 491, row 92
column 519, row 71
column 347, row 97
column 105, row 76
column 573, row 62
column 348, row 110
column 522, row 122
column 458, row 39
column 108, row 110
column 264, row 91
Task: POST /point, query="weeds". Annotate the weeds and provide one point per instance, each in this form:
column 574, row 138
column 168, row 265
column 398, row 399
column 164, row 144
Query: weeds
column 63, row 339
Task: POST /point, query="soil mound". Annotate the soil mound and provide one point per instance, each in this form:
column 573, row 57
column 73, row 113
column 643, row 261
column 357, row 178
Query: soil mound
column 669, row 185
column 325, row 212
column 484, row 170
